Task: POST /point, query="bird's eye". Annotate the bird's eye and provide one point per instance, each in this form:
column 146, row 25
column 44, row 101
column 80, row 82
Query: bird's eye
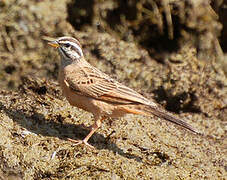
column 67, row 45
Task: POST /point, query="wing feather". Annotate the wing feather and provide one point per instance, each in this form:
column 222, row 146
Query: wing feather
column 92, row 82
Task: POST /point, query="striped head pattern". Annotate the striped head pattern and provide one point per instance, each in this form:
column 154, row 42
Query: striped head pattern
column 68, row 47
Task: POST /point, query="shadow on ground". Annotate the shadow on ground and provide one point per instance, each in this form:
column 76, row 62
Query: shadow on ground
column 40, row 125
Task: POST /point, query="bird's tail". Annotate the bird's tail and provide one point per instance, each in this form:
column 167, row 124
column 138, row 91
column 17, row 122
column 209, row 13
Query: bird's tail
column 160, row 112
column 171, row 118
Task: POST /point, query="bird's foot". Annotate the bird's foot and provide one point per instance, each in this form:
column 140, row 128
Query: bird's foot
column 78, row 142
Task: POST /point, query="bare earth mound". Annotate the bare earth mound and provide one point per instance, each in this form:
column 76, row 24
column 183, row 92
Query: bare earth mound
column 182, row 68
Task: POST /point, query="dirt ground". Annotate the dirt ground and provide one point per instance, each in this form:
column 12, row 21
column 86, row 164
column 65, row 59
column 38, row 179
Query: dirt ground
column 172, row 53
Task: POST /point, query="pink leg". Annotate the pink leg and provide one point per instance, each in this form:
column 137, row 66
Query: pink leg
column 94, row 128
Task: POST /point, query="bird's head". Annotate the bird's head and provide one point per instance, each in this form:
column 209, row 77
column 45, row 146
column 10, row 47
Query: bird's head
column 68, row 47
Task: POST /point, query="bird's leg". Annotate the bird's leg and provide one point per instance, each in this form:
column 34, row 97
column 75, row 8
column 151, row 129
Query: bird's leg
column 94, row 128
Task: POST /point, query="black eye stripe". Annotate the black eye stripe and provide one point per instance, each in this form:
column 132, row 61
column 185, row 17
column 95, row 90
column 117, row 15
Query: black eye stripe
column 70, row 47
column 65, row 40
column 67, row 45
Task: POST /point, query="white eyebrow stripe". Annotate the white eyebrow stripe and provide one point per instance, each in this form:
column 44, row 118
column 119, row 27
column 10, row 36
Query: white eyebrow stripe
column 74, row 45
column 77, row 47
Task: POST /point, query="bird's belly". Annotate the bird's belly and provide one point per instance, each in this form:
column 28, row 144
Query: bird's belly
column 79, row 101
column 82, row 102
column 96, row 107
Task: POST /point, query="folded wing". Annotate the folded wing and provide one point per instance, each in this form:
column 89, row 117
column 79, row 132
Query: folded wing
column 92, row 82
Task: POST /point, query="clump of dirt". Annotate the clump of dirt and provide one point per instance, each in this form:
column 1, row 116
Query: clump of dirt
column 157, row 26
column 142, row 49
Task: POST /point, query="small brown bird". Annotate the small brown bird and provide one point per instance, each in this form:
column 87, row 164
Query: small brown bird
column 86, row 87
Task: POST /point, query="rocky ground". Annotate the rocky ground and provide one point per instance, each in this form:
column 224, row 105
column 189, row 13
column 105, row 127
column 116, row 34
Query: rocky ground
column 170, row 53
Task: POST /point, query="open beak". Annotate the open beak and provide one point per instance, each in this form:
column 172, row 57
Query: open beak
column 51, row 41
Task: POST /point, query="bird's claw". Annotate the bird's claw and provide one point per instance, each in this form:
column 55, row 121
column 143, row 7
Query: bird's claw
column 78, row 142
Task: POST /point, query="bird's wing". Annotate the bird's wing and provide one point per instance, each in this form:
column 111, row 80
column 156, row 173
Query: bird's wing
column 89, row 81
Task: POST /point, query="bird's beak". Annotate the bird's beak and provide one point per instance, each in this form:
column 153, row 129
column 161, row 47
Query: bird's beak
column 53, row 44
column 51, row 41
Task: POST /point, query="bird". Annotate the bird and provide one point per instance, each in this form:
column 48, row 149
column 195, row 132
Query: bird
column 88, row 88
